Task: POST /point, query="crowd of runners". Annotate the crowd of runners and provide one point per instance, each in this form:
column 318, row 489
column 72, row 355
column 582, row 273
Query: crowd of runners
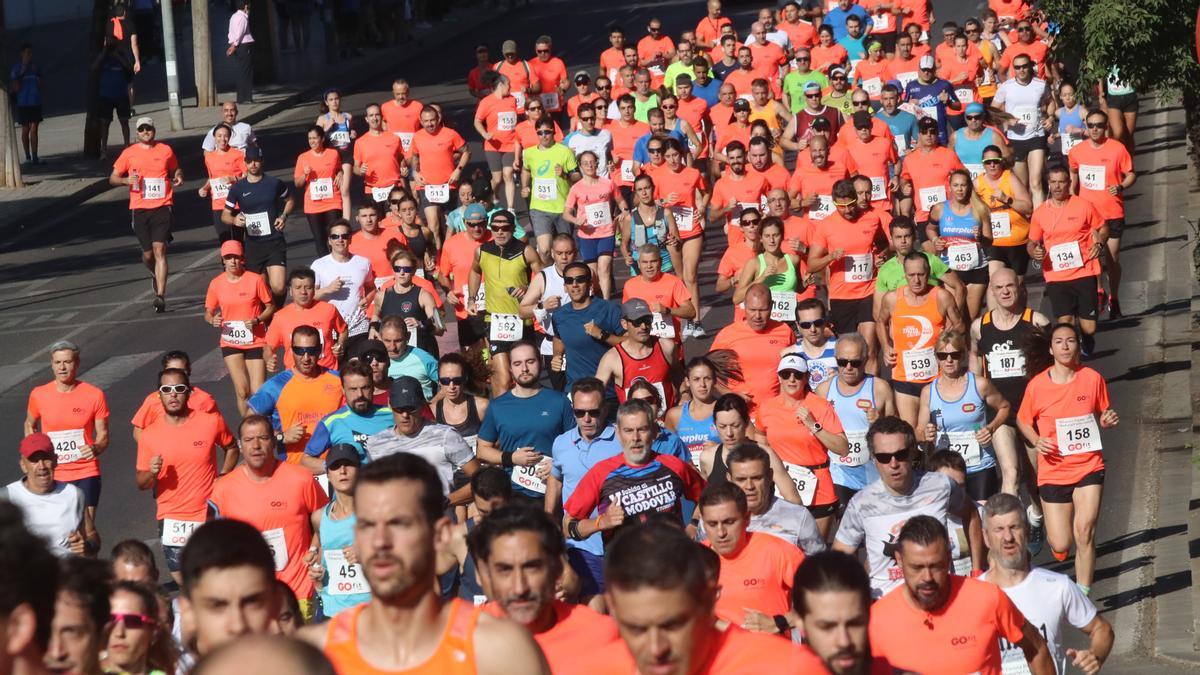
column 853, row 476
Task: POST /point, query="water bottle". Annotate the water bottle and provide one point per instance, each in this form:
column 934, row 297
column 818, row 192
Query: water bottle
column 137, row 181
column 942, row 441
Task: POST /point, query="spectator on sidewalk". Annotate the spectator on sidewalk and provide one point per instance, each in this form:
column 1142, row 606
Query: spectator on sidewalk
column 112, row 97
column 240, row 45
column 122, row 40
column 243, row 134
column 26, row 81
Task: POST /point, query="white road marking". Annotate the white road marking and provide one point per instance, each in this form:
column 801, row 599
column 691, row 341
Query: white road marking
column 116, row 368
column 11, row 376
column 9, row 328
column 210, row 367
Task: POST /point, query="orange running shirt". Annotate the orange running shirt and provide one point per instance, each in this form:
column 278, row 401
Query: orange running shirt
column 776, row 175
column 280, row 508
column 382, row 155
column 678, row 188
column 872, row 160
column 728, row 651
column 1066, row 234
column 402, row 120
column 152, row 164
column 796, row 445
column 527, row 136
column 69, row 412
column 611, row 61
column 321, row 315
column 824, row 58
column 920, row 13
column 499, row 117
column 238, row 301
column 455, row 653
column 853, row 276
column 435, row 152
column 624, row 138
column 231, row 163
column 915, row 331
column 708, row 32
column 904, row 70
column 458, row 256
column 758, row 577
column 321, row 180
column 930, row 176
column 152, row 410
column 758, row 355
column 667, row 289
column 189, row 468
column 1099, row 169
column 374, row 249
column 649, row 47
column 1036, row 50
column 1046, row 402
column 808, row 180
column 577, row 629
column 745, row 191
column 518, row 75
column 732, row 132
column 872, row 74
column 290, row 398
column 1017, row 223
column 962, row 637
column 550, row 74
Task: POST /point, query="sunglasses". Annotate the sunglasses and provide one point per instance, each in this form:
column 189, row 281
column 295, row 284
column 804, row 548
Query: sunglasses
column 580, row 413
column 993, row 160
column 790, row 374
column 644, row 321
column 812, row 95
column 586, row 118
column 545, row 132
column 668, row 107
column 974, row 118
column 886, row 458
column 173, row 388
column 750, row 222
column 929, row 131
column 306, row 351
column 1023, row 66
column 475, row 223
column 860, row 104
column 578, row 279
column 655, row 29
column 1024, row 29
column 404, row 269
column 850, row 363
column 604, row 88
column 132, row 621
column 533, row 108
column 374, row 358
column 805, row 325
column 340, row 237
column 502, row 228
column 942, row 356
column 803, row 58
column 406, row 411
column 395, row 202
column 541, row 51
column 838, row 78
column 654, row 151
column 145, row 127
column 457, row 381
column 1094, row 125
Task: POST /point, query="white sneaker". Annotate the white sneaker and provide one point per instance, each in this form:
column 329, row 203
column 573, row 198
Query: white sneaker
column 698, row 331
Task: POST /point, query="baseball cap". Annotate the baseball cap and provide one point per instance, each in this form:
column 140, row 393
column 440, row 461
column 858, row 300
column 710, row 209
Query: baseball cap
column 365, row 347
column 253, row 152
column 792, row 361
column 406, row 392
column 812, row 86
column 475, row 212
column 820, row 124
column 741, row 104
column 582, row 76
column 35, row 443
column 862, row 120
column 342, row 452
column 509, row 47
column 635, row 309
column 837, row 71
column 144, row 120
column 232, row 247
column 926, row 62
column 974, row 108
column 927, row 123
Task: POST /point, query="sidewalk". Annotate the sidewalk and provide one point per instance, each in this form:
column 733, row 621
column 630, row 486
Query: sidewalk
column 65, row 178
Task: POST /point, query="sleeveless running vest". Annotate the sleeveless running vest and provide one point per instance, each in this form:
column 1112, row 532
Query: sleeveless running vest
column 654, row 368
column 338, row 133
column 1005, row 357
column 915, row 330
column 961, row 418
column 822, row 367
column 503, row 268
column 1003, row 219
column 784, row 282
column 455, row 654
column 653, row 233
column 408, row 304
column 851, row 409
column 695, row 432
column 335, row 536
column 962, row 251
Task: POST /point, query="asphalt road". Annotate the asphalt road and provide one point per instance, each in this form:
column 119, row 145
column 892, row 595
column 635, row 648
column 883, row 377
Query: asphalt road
column 80, row 278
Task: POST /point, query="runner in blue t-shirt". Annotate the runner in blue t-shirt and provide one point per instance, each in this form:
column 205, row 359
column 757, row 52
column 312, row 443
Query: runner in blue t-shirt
column 932, row 95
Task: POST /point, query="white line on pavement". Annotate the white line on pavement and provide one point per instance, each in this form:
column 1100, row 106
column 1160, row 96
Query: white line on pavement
column 209, row 368
column 116, row 368
column 7, row 328
column 51, row 311
column 11, row 376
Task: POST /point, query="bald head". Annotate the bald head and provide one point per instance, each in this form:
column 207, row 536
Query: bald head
column 1003, row 276
column 758, row 294
column 265, row 655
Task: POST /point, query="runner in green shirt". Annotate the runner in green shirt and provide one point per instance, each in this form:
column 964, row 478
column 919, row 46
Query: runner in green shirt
column 547, row 172
column 793, row 82
column 891, row 273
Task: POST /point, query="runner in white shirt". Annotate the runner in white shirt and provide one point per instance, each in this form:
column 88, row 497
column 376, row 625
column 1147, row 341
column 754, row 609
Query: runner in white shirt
column 1046, row 598
column 242, row 136
column 53, row 509
column 344, row 280
column 1027, row 99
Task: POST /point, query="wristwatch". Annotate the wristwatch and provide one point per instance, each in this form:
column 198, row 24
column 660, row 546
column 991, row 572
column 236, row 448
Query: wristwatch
column 279, row 438
column 816, row 427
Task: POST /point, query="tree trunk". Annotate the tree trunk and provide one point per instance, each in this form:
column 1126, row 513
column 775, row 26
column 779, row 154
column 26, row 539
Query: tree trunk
column 266, row 44
column 206, row 91
column 93, row 125
column 11, row 155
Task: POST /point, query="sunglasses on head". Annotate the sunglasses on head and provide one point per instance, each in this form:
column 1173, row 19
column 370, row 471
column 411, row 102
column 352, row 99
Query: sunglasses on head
column 886, row 458
column 791, row 374
column 173, row 388
column 306, row 351
column 805, row 325
column 132, row 621
column 339, row 237
column 457, row 381
column 577, row 279
column 850, row 363
column 942, row 356
column 580, row 413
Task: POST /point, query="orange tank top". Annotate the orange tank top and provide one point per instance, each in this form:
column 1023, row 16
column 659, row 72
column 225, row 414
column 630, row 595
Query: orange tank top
column 455, row 654
column 1012, row 227
column 915, row 330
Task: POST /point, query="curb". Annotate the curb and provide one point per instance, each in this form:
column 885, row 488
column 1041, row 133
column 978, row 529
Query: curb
column 360, row 70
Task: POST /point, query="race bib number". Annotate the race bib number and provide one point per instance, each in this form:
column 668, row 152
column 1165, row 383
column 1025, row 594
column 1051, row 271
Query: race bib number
column 930, row 111
column 965, row 95
column 237, row 333
column 155, row 188
column 598, row 215
column 858, row 449
column 505, row 328
column 1092, row 176
column 437, row 194
column 1068, row 142
column 219, row 188
column 685, row 218
column 550, row 101
column 1007, row 363
column 480, row 297
column 506, row 121
column 177, row 532
column 323, row 481
column 1078, row 434
column 278, row 545
column 1001, row 224
column 1066, row 256
column 258, row 224
column 320, row 189
column 901, row 144
column 520, row 96
column 965, row 444
column 879, row 191
column 662, row 327
column 68, row 445
column 976, row 170
column 919, row 364
column 859, row 268
column 339, row 139
column 344, row 578
column 905, row 78
column 963, row 257
column 873, row 86
column 881, row 23
column 822, row 209
column 931, row 196
column 805, row 481
column 1026, row 117
column 783, row 306
column 380, row 194
column 545, row 189
column 405, row 140
column 526, row 477
column 627, row 170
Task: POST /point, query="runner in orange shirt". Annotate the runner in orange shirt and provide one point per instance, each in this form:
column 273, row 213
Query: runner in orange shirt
column 757, row 342
column 239, row 304
column 870, row 74
column 454, row 274
column 875, row 157
column 1064, row 408
column 905, row 66
column 1101, row 172
column 378, row 158
column 524, row 85
column 708, row 30
column 326, row 188
column 175, row 458
column 736, row 189
column 520, row 554
column 151, row 409
column 827, row 53
column 277, row 499
column 925, row 179
column 496, row 120
column 583, row 95
column 371, row 241
column 804, row 429
column 151, row 171
column 662, row 593
column 761, row 163
column 625, row 132
column 940, row 624
column 401, row 115
column 756, row 567
column 306, row 310
column 74, row 414
column 436, row 161
column 1068, row 235
column 665, row 293
column 655, row 51
column 613, row 58
column 811, row 186
column 225, row 165
column 551, row 74
column 1027, row 44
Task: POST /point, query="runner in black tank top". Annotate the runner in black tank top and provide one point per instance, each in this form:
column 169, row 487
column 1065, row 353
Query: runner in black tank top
column 407, row 305
column 1003, row 351
column 466, row 428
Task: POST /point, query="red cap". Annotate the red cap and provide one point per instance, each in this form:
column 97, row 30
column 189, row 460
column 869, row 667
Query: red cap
column 232, row 247
column 35, row 443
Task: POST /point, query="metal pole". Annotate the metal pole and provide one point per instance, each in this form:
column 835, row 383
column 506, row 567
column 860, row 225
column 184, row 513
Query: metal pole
column 168, row 22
